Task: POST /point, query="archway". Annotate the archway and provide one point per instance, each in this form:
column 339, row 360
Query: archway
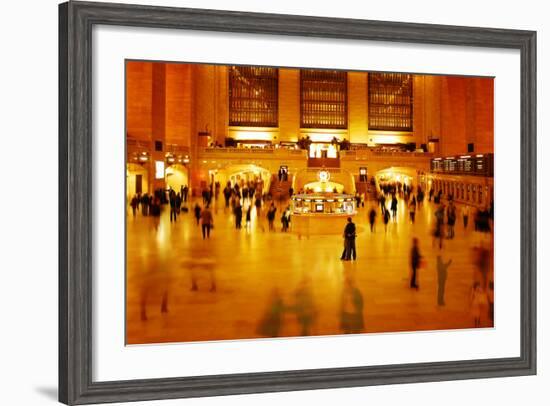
column 240, row 173
column 397, row 174
column 176, row 176
column 137, row 180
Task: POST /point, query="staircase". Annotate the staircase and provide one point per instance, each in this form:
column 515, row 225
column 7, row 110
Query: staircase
column 279, row 189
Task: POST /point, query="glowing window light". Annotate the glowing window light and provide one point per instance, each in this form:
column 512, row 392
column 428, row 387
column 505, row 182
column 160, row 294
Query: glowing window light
column 159, row 170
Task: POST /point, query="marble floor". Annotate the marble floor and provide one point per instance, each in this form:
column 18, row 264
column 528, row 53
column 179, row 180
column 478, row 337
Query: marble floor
column 254, row 282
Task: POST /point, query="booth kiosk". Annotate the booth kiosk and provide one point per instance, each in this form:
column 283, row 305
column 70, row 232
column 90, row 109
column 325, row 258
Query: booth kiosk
column 321, row 213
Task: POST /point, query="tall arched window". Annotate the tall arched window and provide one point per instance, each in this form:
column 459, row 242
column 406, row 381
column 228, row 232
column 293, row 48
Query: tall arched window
column 390, row 101
column 253, row 96
column 323, row 99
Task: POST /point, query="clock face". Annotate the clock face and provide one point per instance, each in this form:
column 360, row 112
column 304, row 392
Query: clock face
column 324, row 176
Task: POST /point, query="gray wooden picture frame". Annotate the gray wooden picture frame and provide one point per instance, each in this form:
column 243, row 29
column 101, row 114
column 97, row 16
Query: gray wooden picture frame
column 76, row 20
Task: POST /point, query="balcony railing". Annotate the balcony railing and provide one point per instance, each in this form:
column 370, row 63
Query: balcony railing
column 371, row 153
column 272, row 153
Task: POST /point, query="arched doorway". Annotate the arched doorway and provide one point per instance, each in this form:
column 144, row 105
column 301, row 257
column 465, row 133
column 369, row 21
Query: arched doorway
column 176, row 176
column 240, row 173
column 137, row 180
column 397, row 174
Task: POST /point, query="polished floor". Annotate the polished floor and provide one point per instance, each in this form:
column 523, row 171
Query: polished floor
column 254, row 282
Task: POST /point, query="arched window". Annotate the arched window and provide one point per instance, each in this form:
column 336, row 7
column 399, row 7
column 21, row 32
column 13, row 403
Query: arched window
column 390, row 101
column 253, row 96
column 323, row 99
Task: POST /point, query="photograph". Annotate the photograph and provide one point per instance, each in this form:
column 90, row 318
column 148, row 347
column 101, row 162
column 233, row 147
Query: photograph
column 266, row 202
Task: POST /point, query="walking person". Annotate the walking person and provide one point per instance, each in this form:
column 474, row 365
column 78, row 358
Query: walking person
column 184, row 193
column 349, row 242
column 248, row 217
column 451, row 219
column 238, row 211
column 393, row 207
column 134, row 204
column 386, row 215
column 415, row 263
column 412, row 209
column 372, row 217
column 271, row 216
column 173, row 208
column 227, row 194
column 197, row 213
column 478, row 303
column 207, row 222
column 438, row 231
column 441, row 279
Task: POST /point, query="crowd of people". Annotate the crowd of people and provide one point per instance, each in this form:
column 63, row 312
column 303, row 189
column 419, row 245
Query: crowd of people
column 243, row 198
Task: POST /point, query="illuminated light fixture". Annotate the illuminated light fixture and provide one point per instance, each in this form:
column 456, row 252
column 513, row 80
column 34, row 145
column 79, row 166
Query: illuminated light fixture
column 330, row 200
column 437, row 159
column 159, row 170
column 479, row 156
column 318, row 200
column 307, row 200
column 298, row 200
column 450, row 157
column 204, row 162
column 465, row 156
column 323, row 176
column 340, row 200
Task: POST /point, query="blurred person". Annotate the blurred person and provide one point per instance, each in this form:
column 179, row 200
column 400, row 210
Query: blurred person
column 482, row 260
column 144, row 204
column 415, row 263
column 351, row 313
column 439, row 225
column 271, row 321
column 382, row 201
column 372, row 218
column 201, row 265
column 349, row 242
column 197, row 213
column 207, row 221
column 227, row 194
column 441, row 279
column 248, row 216
column 238, row 212
column 304, row 307
column 134, row 204
column 271, row 216
column 412, row 209
column 393, row 207
column 478, row 303
column 184, row 193
column 285, row 219
column 451, row 219
column 173, row 208
column 386, row 215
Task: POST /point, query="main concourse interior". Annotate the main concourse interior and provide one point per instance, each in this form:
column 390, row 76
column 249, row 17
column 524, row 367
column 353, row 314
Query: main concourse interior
column 277, row 202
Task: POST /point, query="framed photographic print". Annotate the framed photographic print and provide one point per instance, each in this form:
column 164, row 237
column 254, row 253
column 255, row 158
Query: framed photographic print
column 258, row 202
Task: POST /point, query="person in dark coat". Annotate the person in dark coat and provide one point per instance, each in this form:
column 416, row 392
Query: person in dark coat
column 372, row 217
column 349, row 242
column 415, row 263
column 393, row 207
column 238, row 215
column 197, row 213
